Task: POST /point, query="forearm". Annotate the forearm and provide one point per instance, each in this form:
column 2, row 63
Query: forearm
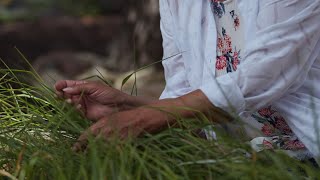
column 189, row 105
column 131, row 102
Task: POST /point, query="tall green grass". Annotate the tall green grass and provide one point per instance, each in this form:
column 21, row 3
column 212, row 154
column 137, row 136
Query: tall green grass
column 37, row 132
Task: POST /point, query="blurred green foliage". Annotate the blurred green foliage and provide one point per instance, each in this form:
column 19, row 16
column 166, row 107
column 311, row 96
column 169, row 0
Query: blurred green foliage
column 83, row 7
column 11, row 10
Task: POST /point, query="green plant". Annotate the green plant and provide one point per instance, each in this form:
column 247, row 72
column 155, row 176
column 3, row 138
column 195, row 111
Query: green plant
column 37, row 132
column 32, row 9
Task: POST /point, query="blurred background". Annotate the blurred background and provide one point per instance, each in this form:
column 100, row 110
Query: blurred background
column 75, row 39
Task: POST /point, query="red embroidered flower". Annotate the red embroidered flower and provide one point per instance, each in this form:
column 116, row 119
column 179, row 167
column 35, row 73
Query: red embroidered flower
column 221, row 62
column 228, row 44
column 282, row 126
column 267, row 129
column 220, row 44
column 267, row 144
column 236, row 23
column 236, row 61
column 294, row 145
column 266, row 112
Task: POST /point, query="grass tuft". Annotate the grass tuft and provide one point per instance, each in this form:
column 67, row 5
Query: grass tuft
column 37, row 132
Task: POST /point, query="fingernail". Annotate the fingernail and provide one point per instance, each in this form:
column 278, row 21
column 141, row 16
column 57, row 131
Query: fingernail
column 69, row 101
column 67, row 89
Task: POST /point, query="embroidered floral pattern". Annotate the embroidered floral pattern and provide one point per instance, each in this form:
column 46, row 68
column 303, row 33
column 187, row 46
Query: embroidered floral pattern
column 282, row 126
column 221, row 62
column 266, row 112
column 278, row 134
column 218, row 7
column 236, row 60
column 267, row 144
column 268, row 129
column 236, row 19
column 230, row 57
column 274, row 125
column 294, row 145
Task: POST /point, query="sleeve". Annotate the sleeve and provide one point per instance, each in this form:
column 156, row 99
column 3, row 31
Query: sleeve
column 276, row 60
column 173, row 63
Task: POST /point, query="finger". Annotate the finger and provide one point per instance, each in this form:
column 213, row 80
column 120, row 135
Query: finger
column 80, row 89
column 76, row 100
column 59, row 85
column 78, row 103
column 130, row 132
column 82, row 141
column 80, row 106
column 73, row 100
column 63, row 95
column 59, row 94
column 69, row 101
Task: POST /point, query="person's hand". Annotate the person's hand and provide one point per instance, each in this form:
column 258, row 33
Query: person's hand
column 151, row 119
column 125, row 124
column 94, row 100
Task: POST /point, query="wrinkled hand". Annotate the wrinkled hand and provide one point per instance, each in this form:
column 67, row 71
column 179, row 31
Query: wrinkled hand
column 125, row 124
column 94, row 100
column 154, row 118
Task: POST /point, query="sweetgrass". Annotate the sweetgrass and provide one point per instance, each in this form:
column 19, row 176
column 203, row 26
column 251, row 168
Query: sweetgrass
column 37, row 132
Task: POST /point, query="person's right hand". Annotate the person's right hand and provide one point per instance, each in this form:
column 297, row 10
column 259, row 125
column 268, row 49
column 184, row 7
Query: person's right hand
column 94, row 99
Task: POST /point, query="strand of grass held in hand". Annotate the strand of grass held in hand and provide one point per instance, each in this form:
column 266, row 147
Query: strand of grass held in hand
column 114, row 112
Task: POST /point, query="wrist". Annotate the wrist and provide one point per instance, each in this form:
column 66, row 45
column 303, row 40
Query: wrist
column 126, row 102
column 136, row 101
column 129, row 102
column 172, row 108
column 185, row 106
column 154, row 118
column 197, row 102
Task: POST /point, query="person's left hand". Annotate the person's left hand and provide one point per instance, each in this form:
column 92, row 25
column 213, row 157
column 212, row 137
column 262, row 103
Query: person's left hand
column 125, row 124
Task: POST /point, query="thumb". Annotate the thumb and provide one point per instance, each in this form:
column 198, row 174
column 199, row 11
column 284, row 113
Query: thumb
column 79, row 89
column 59, row 85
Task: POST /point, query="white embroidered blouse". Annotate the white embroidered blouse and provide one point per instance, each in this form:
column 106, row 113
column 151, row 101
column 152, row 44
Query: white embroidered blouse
column 279, row 66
